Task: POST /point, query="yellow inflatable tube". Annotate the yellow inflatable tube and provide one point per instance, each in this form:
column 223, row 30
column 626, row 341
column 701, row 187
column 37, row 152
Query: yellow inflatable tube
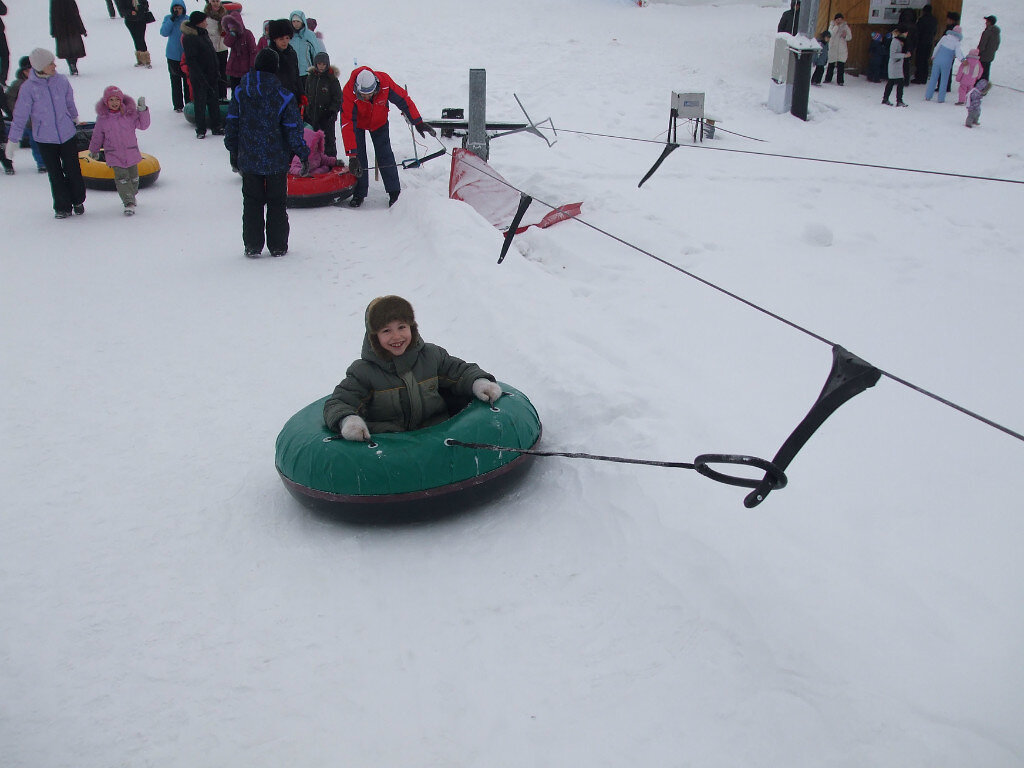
column 98, row 175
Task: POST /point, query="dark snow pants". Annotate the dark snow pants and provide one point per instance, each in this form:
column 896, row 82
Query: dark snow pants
column 180, row 92
column 65, row 174
column 206, row 106
column 328, row 122
column 270, row 192
column 384, row 158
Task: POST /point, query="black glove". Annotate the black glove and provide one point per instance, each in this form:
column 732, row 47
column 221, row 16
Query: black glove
column 424, row 129
column 354, row 168
column 305, row 168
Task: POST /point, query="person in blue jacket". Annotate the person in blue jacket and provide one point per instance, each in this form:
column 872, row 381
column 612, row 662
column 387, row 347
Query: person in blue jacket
column 263, row 130
column 306, row 44
column 171, row 29
column 820, row 59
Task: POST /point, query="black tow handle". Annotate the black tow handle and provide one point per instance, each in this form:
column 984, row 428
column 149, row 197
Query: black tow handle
column 848, row 378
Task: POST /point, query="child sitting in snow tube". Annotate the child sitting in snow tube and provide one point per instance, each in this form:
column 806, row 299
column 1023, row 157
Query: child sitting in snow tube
column 398, row 382
column 327, row 181
column 319, row 162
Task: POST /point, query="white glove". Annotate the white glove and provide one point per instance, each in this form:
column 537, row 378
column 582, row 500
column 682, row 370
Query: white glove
column 141, row 103
column 12, row 147
column 486, row 390
column 354, row 428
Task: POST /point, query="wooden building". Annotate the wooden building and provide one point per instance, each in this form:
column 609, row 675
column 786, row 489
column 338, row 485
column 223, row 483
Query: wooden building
column 858, row 14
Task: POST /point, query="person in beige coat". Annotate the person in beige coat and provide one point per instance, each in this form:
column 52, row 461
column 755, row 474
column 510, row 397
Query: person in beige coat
column 838, row 51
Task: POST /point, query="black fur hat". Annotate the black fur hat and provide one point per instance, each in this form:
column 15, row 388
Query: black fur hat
column 280, row 28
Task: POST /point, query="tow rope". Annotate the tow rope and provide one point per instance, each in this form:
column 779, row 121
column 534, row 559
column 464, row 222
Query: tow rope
column 849, row 377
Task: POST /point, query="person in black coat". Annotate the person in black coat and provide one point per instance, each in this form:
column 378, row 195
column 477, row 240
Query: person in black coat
column 136, row 16
column 280, row 33
column 908, row 23
column 67, row 29
column 790, row 19
column 203, row 72
column 263, row 131
column 5, row 51
column 323, row 101
column 927, row 26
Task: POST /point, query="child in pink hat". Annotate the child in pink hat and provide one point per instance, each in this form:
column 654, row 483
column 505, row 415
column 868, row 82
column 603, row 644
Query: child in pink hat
column 117, row 118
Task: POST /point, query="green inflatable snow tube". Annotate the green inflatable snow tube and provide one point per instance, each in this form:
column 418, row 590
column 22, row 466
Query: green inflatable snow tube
column 397, row 468
column 190, row 111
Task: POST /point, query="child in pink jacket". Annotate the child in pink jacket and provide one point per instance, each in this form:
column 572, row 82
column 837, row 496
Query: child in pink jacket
column 319, row 163
column 117, row 118
column 968, row 74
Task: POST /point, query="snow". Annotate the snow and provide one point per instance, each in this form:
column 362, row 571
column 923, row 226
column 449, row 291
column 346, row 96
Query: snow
column 166, row 602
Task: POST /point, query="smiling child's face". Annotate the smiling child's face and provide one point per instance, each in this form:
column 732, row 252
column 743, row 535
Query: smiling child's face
column 395, row 337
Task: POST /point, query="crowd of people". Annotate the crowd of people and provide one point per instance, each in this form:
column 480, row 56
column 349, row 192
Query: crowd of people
column 275, row 85
column 912, row 52
column 277, row 101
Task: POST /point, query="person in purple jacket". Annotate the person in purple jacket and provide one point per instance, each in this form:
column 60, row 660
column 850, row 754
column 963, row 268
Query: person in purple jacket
column 48, row 99
column 242, row 47
column 117, row 119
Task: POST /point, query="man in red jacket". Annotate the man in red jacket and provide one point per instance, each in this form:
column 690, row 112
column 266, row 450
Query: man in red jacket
column 364, row 107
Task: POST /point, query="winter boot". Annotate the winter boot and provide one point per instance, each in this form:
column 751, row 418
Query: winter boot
column 355, row 202
column 147, row 60
column 393, row 197
column 138, row 59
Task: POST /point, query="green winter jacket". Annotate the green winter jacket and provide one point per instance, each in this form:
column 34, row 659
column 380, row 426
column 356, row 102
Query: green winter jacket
column 401, row 393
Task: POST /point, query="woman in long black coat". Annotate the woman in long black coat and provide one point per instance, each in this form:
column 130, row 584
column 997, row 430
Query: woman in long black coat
column 5, row 52
column 67, row 29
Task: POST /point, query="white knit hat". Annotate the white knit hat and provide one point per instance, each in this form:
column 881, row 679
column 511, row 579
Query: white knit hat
column 366, row 82
column 40, row 59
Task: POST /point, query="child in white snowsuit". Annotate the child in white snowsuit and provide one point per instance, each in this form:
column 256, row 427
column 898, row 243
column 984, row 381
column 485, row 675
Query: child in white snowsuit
column 117, row 119
column 974, row 102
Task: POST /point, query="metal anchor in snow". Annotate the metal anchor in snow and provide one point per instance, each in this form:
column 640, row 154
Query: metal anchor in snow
column 477, row 138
